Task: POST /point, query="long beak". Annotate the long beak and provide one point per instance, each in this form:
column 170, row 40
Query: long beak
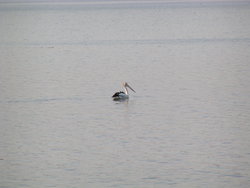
column 130, row 88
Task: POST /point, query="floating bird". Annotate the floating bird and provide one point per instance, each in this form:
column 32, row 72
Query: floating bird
column 122, row 95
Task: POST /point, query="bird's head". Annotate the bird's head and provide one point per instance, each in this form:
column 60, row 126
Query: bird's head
column 125, row 84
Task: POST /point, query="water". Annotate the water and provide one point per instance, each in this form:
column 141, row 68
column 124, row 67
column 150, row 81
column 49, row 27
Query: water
column 187, row 125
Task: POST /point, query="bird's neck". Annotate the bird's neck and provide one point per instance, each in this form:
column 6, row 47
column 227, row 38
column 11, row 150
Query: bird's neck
column 126, row 90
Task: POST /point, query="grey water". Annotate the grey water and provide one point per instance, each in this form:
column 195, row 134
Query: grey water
column 187, row 125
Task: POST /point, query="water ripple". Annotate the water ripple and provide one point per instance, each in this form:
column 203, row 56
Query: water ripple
column 129, row 41
column 41, row 100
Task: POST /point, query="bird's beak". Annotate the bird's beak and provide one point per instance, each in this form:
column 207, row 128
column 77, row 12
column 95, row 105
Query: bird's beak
column 131, row 88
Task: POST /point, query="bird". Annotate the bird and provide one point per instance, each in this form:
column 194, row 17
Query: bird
column 123, row 95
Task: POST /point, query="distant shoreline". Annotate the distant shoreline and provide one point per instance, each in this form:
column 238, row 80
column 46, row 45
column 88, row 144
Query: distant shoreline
column 15, row 5
column 106, row 2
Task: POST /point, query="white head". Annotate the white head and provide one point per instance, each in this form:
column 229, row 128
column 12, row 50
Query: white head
column 125, row 84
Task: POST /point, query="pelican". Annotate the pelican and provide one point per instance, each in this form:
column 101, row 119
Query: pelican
column 122, row 95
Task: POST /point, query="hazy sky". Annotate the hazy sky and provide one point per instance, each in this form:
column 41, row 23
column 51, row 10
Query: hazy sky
column 120, row 0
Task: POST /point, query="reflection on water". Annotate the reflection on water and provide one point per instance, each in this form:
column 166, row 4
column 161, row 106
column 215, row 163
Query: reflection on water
column 187, row 125
column 121, row 99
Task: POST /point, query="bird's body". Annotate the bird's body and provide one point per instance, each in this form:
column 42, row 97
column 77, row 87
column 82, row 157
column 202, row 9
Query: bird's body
column 122, row 95
column 119, row 94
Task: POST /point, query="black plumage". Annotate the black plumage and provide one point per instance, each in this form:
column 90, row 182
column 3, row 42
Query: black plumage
column 117, row 94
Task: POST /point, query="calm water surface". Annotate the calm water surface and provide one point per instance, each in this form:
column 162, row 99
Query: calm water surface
column 187, row 125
